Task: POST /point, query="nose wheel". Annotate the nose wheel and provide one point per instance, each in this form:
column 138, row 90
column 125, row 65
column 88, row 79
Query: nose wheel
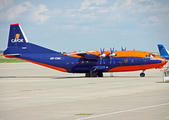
column 142, row 74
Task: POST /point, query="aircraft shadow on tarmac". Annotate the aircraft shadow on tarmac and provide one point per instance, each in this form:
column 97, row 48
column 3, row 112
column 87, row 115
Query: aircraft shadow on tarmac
column 53, row 77
column 162, row 82
column 67, row 77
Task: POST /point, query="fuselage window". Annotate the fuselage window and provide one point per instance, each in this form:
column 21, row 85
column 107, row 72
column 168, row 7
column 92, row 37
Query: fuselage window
column 132, row 60
column 121, row 61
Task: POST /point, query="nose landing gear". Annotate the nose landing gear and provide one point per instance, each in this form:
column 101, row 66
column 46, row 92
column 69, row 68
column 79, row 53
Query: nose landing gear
column 142, row 74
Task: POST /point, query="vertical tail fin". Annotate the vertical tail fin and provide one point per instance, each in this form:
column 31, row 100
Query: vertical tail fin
column 162, row 50
column 17, row 37
column 19, row 44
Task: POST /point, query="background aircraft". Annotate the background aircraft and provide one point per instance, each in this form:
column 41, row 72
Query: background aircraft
column 92, row 63
column 163, row 52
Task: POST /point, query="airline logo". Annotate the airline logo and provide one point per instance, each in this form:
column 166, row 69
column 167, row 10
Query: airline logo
column 17, row 39
column 126, row 60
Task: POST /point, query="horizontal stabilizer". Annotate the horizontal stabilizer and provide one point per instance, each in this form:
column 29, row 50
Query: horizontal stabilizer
column 14, row 55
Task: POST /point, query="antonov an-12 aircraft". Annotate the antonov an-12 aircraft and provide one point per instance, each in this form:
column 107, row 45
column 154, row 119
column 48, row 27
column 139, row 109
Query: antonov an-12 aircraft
column 92, row 63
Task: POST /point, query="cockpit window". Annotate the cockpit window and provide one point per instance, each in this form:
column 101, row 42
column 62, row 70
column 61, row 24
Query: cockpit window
column 150, row 55
column 147, row 56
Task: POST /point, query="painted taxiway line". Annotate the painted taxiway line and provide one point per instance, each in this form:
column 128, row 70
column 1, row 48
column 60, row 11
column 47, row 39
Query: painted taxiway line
column 113, row 113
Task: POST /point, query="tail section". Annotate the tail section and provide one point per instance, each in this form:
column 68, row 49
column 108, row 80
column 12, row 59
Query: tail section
column 163, row 52
column 18, row 43
column 17, row 37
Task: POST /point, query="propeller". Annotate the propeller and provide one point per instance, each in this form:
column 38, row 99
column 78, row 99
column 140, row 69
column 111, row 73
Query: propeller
column 123, row 49
column 112, row 54
column 102, row 55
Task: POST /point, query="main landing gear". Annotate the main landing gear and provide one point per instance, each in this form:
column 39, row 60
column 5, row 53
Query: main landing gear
column 100, row 74
column 142, row 74
column 94, row 74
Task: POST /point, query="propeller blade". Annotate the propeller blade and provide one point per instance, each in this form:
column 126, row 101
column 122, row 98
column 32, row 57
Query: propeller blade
column 102, row 51
column 112, row 54
column 111, row 51
column 102, row 55
column 123, row 49
column 103, row 61
column 113, row 60
column 100, row 61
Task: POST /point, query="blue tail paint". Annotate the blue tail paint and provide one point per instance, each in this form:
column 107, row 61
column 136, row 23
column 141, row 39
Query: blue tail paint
column 18, row 43
column 163, row 52
column 16, row 36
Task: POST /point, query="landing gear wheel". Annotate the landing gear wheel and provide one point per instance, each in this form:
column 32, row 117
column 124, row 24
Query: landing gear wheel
column 142, row 74
column 94, row 74
column 100, row 74
column 87, row 74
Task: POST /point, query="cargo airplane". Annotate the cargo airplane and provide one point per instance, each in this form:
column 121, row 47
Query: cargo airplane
column 92, row 63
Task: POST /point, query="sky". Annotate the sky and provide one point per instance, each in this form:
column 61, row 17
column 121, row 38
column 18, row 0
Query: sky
column 82, row 25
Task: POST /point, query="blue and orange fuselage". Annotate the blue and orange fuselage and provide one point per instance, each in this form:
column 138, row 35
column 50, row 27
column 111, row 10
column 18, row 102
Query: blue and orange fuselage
column 123, row 61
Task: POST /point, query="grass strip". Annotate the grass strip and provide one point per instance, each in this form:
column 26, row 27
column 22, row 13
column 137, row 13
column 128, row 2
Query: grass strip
column 9, row 60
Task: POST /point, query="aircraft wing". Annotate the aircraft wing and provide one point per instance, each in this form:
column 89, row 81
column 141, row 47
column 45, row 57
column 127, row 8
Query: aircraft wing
column 85, row 54
column 75, row 53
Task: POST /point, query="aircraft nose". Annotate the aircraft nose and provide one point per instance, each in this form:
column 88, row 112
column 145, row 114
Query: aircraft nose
column 164, row 61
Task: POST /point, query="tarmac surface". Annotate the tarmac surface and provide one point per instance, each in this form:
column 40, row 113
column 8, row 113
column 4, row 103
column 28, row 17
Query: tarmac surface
column 32, row 92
